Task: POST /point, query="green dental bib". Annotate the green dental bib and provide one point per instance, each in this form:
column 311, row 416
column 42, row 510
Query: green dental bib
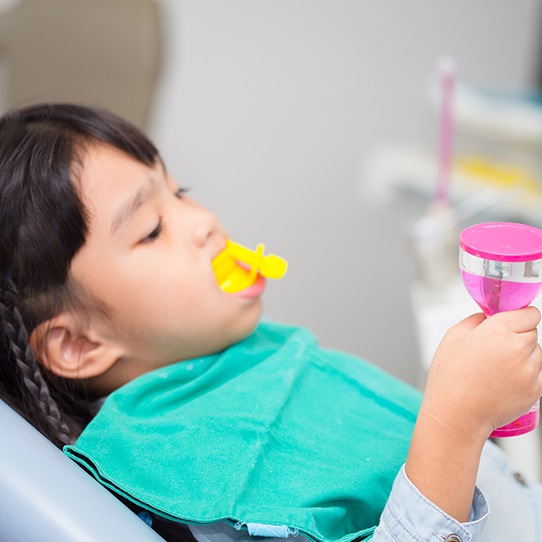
column 273, row 431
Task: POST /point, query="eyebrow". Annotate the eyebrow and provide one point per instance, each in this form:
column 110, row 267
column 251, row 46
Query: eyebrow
column 128, row 208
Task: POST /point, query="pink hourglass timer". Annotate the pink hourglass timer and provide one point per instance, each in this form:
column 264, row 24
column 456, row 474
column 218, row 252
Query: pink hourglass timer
column 501, row 267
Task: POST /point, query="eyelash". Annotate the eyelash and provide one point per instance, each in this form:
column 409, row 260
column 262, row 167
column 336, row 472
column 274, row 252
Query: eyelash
column 154, row 233
column 158, row 230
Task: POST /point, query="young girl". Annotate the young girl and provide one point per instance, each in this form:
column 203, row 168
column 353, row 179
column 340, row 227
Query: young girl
column 107, row 291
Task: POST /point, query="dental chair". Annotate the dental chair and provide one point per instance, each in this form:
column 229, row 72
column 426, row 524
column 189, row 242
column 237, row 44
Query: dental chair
column 45, row 497
column 106, row 53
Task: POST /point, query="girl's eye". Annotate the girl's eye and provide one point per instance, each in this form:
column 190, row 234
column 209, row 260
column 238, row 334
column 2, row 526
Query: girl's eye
column 180, row 192
column 154, row 233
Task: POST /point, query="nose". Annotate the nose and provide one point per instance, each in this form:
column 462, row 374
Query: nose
column 205, row 225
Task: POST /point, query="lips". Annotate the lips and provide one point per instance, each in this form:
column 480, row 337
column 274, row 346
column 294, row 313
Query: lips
column 253, row 291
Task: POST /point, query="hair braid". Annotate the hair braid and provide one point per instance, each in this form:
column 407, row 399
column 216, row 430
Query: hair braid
column 31, row 375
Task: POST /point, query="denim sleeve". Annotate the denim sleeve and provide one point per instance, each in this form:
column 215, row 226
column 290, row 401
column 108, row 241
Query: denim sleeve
column 410, row 517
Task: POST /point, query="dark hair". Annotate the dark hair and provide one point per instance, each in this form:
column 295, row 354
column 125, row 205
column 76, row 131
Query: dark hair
column 43, row 224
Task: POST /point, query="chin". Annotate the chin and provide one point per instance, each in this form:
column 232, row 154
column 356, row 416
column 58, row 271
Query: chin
column 248, row 326
column 251, row 328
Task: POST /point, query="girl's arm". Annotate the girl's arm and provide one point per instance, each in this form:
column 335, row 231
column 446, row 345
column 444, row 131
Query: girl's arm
column 485, row 373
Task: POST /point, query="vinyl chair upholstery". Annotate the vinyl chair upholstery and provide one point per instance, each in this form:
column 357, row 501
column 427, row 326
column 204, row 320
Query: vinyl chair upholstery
column 104, row 53
column 45, row 497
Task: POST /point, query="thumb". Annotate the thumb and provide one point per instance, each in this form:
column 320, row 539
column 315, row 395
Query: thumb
column 467, row 324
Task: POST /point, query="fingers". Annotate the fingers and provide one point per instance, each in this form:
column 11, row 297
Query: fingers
column 537, row 355
column 522, row 323
column 536, row 360
column 467, row 324
column 532, row 340
column 521, row 320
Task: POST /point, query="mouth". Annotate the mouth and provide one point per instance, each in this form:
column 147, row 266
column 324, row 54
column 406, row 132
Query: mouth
column 232, row 275
column 253, row 291
column 241, row 271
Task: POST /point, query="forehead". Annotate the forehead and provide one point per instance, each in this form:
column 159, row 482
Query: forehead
column 107, row 169
column 101, row 163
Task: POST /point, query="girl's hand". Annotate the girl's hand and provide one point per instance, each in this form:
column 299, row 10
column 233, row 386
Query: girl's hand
column 486, row 372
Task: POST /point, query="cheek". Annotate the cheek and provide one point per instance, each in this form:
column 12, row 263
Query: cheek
column 153, row 285
column 163, row 289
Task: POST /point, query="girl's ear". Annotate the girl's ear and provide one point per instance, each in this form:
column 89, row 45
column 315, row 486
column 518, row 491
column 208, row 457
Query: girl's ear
column 71, row 350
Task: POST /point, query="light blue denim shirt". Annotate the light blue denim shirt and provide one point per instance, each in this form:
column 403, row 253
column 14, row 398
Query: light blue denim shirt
column 409, row 516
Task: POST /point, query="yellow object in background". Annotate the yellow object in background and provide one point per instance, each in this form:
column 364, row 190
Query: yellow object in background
column 499, row 176
column 237, row 267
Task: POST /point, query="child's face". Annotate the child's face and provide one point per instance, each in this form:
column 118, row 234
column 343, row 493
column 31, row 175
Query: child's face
column 148, row 258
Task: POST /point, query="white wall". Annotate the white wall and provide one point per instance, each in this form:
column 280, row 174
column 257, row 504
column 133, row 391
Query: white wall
column 267, row 110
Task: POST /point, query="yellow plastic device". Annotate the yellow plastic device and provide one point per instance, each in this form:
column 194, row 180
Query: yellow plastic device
column 237, row 267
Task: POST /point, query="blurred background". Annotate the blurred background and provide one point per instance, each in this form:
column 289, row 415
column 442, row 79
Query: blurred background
column 308, row 125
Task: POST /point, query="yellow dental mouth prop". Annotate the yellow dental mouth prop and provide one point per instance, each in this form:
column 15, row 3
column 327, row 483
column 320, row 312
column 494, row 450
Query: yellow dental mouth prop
column 237, row 268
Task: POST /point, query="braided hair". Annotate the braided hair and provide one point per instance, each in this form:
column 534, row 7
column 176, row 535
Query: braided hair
column 43, row 224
